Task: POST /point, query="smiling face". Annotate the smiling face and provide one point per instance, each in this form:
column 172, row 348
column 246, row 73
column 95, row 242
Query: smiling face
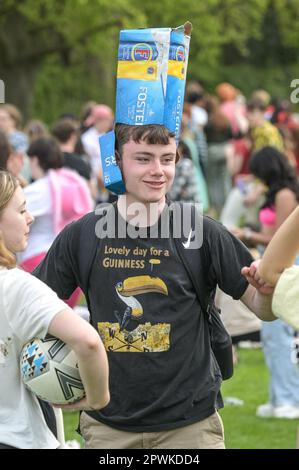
column 148, row 170
column 14, row 223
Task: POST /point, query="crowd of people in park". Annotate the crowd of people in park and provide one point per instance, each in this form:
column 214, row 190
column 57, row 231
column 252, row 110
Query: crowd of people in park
column 238, row 158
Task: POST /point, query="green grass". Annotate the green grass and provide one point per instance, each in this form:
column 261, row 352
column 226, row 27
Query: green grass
column 71, row 421
column 243, row 430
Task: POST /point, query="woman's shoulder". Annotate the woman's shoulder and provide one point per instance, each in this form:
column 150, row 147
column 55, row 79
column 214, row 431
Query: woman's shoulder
column 285, row 194
column 23, row 285
column 17, row 274
column 285, row 203
column 19, row 278
column 14, row 281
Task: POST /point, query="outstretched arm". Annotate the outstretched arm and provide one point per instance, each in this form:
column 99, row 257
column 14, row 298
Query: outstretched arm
column 281, row 251
column 258, row 303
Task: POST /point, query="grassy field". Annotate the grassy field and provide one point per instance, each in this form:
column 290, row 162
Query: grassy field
column 243, row 430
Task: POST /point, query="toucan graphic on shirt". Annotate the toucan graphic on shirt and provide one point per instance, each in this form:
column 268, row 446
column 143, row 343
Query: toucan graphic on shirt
column 132, row 287
column 144, row 337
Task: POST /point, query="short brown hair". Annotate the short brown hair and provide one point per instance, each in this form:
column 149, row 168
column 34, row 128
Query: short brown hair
column 151, row 133
column 8, row 186
column 48, row 153
column 64, row 129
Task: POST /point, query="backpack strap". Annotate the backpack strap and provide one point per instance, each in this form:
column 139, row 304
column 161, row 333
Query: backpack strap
column 193, row 260
column 195, row 263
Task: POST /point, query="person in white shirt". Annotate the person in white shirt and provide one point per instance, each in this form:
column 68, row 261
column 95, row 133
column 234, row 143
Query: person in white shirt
column 57, row 197
column 101, row 121
column 29, row 308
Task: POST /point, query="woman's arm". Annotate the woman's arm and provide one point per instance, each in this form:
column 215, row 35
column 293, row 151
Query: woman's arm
column 92, row 358
column 258, row 302
column 282, row 250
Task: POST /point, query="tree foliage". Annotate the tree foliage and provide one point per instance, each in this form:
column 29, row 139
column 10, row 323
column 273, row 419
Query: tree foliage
column 56, row 54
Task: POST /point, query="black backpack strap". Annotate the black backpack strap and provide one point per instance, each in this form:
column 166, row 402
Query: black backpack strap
column 195, row 262
column 192, row 259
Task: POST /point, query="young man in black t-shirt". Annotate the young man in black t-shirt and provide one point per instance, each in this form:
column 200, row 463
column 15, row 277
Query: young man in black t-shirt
column 164, row 380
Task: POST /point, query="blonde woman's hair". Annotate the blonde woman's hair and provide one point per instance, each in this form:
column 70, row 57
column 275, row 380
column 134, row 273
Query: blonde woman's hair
column 8, row 186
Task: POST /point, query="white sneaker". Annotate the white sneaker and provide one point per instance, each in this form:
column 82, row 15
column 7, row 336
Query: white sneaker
column 233, row 401
column 286, row 411
column 265, row 411
column 249, row 344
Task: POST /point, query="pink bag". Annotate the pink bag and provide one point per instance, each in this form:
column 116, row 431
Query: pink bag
column 70, row 195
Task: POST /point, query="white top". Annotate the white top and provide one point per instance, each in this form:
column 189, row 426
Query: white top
column 90, row 141
column 39, row 204
column 27, row 307
column 285, row 302
column 199, row 116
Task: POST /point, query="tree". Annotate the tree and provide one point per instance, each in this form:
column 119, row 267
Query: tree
column 55, row 54
column 33, row 30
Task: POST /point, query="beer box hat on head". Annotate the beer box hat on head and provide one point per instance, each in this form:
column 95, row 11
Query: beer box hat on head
column 151, row 76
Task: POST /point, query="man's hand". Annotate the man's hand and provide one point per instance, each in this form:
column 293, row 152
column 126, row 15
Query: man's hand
column 253, row 277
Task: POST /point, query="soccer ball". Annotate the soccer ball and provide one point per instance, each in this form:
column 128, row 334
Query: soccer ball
column 49, row 369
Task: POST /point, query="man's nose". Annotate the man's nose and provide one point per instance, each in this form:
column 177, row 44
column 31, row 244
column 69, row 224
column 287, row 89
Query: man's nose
column 156, row 167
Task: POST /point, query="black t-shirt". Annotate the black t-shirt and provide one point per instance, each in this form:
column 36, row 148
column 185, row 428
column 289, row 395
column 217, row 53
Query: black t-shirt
column 76, row 162
column 162, row 372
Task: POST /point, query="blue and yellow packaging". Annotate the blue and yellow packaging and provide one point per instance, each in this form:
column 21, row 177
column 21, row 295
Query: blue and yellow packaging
column 151, row 76
column 176, row 77
column 111, row 173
